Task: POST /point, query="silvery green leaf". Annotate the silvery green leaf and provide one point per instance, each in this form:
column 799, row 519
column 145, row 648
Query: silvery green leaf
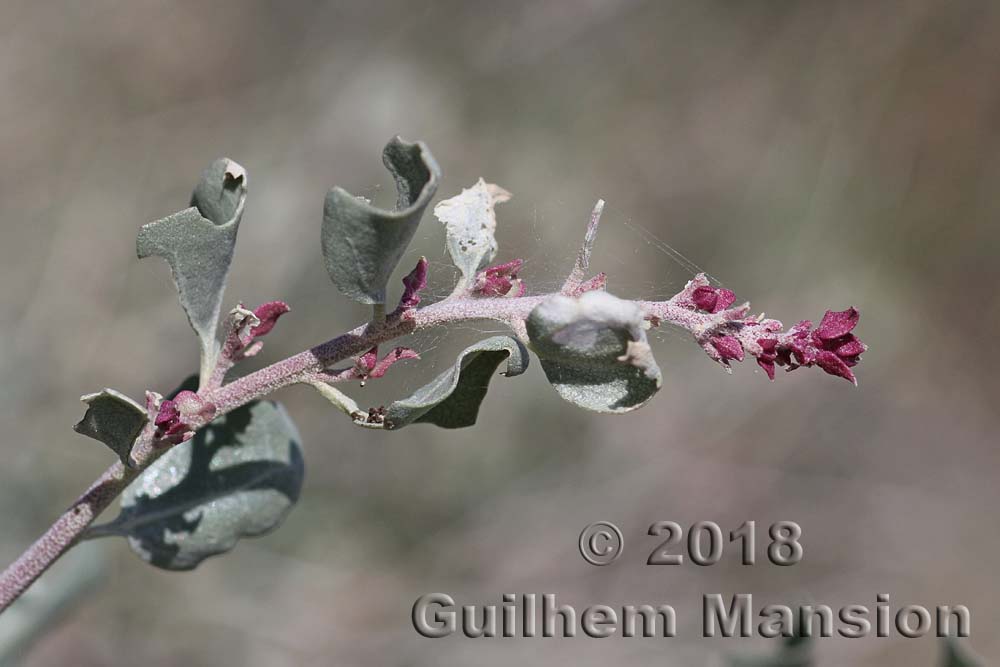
column 237, row 477
column 198, row 245
column 470, row 226
column 452, row 399
column 362, row 244
column 221, row 193
column 114, row 419
column 594, row 351
column 956, row 656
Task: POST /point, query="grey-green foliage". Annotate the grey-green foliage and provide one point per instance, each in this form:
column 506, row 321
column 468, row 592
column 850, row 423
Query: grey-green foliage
column 470, row 226
column 795, row 651
column 238, row 477
column 114, row 419
column 363, row 244
column 198, row 244
column 954, row 655
column 594, row 351
column 452, row 399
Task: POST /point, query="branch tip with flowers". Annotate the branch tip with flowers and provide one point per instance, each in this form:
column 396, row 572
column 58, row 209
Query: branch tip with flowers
column 591, row 345
column 729, row 334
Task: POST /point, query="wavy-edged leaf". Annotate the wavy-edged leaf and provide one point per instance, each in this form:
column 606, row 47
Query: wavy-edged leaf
column 470, row 226
column 237, row 477
column 594, row 351
column 198, row 245
column 363, row 244
column 114, row 419
column 453, row 398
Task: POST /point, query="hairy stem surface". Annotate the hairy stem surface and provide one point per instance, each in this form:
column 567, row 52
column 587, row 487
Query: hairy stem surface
column 71, row 526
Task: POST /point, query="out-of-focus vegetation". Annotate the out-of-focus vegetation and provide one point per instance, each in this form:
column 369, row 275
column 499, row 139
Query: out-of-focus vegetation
column 808, row 155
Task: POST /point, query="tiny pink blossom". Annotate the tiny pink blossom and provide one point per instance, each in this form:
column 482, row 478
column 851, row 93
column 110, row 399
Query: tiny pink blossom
column 369, row 366
column 728, row 348
column 365, row 364
column 268, row 314
column 413, row 282
column 178, row 419
column 768, row 355
column 837, row 323
column 500, row 280
column 849, row 348
column 712, row 299
column 388, row 360
column 240, row 340
column 168, row 414
column 834, row 365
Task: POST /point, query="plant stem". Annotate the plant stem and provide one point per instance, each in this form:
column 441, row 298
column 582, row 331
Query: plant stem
column 64, row 533
column 70, row 527
column 297, row 368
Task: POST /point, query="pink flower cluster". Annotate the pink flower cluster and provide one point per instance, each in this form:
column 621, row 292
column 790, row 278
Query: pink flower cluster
column 177, row 419
column 831, row 346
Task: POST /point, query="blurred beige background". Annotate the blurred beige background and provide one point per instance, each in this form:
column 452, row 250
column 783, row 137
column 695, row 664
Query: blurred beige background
column 808, row 155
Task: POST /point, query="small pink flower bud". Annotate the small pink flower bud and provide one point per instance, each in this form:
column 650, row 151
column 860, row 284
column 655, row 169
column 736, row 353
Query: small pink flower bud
column 768, row 355
column 500, row 280
column 834, row 365
column 268, row 314
column 768, row 366
column 370, row 366
column 167, row 415
column 837, row 323
column 365, row 364
column 178, row 419
column 246, row 326
column 388, row 360
column 728, row 348
column 848, row 346
column 712, row 299
column 413, row 282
